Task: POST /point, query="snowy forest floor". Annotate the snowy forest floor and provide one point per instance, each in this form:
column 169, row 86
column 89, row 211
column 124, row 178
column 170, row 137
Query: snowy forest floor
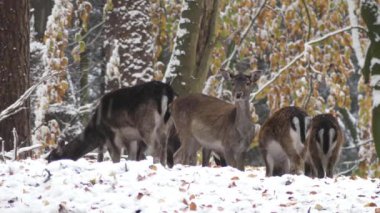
column 86, row 186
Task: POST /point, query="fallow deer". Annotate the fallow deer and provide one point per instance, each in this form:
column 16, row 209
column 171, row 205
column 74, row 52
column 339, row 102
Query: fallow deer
column 323, row 144
column 281, row 141
column 124, row 118
column 213, row 124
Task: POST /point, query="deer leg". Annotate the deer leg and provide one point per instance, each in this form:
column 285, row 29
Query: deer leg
column 206, row 156
column 331, row 165
column 269, row 164
column 141, row 150
column 297, row 164
column 230, row 158
column 101, row 150
column 187, row 153
column 132, row 150
column 115, row 154
column 240, row 157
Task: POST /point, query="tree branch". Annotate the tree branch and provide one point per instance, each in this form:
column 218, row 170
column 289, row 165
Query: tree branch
column 226, row 63
column 15, row 107
column 309, row 19
column 299, row 56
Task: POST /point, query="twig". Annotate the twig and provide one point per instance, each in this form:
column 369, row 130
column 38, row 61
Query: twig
column 277, row 75
column 359, row 144
column 15, row 141
column 15, row 107
column 348, row 170
column 88, row 32
column 309, row 19
column 226, row 62
column 334, row 33
column 47, row 178
column 2, row 149
column 299, row 56
column 310, row 78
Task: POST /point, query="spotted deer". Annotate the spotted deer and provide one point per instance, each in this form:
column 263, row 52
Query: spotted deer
column 125, row 118
column 281, row 141
column 215, row 125
column 323, row 145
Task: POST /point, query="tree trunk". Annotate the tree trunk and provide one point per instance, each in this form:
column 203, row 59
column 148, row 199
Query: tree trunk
column 371, row 71
column 189, row 64
column 129, row 44
column 14, row 68
column 42, row 10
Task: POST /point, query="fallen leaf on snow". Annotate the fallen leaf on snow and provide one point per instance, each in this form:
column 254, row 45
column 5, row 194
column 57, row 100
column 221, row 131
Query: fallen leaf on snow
column 193, row 206
column 235, row 178
column 153, row 167
column 319, row 207
column 233, row 184
column 371, row 204
column 139, row 196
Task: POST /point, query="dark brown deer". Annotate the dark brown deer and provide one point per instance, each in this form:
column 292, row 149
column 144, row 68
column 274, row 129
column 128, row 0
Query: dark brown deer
column 323, row 144
column 124, row 118
column 215, row 125
column 281, row 140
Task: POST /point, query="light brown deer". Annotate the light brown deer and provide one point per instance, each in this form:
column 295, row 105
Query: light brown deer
column 323, row 144
column 215, row 125
column 281, row 140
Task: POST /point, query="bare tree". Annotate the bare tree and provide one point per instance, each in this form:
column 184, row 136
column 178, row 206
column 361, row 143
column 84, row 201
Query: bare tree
column 14, row 68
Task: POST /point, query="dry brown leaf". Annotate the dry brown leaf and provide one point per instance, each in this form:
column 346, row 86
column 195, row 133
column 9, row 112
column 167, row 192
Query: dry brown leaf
column 153, row 167
column 313, row 193
column 192, row 197
column 371, row 204
column 233, row 184
column 319, row 207
column 235, row 178
column 193, row 206
column 139, row 196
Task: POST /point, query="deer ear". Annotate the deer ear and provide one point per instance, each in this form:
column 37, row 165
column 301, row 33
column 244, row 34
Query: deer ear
column 60, row 146
column 226, row 75
column 255, row 75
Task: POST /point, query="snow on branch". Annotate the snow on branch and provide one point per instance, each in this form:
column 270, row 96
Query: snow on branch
column 18, row 105
column 304, row 53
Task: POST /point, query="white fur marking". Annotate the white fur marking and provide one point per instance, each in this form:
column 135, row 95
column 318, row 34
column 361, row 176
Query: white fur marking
column 296, row 140
column 164, row 105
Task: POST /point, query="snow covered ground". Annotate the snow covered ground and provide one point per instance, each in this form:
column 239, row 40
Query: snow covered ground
column 84, row 186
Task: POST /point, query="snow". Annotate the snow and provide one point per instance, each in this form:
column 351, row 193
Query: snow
column 129, row 186
column 355, row 32
column 376, row 98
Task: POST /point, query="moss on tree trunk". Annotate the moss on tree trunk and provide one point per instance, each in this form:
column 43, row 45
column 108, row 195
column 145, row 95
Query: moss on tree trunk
column 189, row 64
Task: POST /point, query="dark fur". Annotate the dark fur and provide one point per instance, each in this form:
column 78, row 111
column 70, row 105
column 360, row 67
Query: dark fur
column 119, row 109
column 313, row 165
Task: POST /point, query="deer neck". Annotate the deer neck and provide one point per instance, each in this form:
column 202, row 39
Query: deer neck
column 243, row 120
